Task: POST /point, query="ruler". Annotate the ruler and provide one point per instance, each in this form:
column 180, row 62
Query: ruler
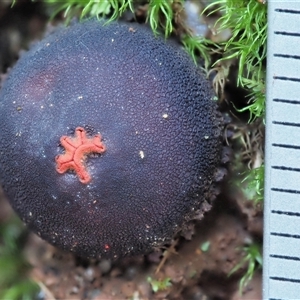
column 281, row 271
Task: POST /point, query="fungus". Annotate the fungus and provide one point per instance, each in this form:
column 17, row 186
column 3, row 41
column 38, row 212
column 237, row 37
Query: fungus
column 109, row 139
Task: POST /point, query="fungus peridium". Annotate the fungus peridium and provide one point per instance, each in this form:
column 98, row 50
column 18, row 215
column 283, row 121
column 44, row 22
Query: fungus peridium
column 153, row 109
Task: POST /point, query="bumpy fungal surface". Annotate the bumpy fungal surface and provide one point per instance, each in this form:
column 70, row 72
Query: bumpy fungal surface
column 134, row 120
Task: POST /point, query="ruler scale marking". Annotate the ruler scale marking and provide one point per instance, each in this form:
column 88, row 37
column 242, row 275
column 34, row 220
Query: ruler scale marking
column 287, row 235
column 295, row 34
column 281, row 272
column 283, row 168
column 286, row 123
column 286, row 146
column 285, row 279
column 287, row 78
column 288, row 56
column 287, row 101
column 284, row 257
column 290, row 11
column 285, row 191
column 287, row 213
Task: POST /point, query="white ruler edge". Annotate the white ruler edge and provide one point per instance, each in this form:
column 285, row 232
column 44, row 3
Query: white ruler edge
column 281, row 269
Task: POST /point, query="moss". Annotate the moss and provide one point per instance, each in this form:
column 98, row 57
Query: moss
column 160, row 12
column 255, row 184
column 13, row 267
column 252, row 261
column 159, row 285
column 247, row 20
column 91, row 8
column 201, row 45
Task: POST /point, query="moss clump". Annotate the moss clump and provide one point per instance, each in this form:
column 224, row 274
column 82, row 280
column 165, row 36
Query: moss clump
column 247, row 20
column 252, row 261
column 13, row 267
column 160, row 12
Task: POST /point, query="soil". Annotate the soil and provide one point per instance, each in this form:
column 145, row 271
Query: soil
column 195, row 266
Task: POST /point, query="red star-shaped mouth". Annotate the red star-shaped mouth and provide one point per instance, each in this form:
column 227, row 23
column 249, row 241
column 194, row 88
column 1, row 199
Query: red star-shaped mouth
column 76, row 150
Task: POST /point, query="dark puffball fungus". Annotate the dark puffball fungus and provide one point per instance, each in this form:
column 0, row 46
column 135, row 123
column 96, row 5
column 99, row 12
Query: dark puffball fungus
column 109, row 139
